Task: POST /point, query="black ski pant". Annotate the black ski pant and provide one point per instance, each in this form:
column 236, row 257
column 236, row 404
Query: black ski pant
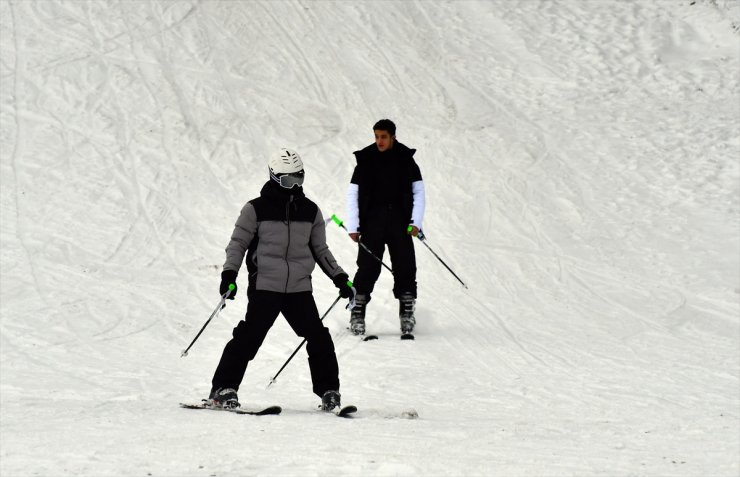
column 380, row 230
column 299, row 310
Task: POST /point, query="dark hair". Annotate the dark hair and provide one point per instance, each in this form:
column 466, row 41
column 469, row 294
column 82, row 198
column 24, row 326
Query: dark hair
column 385, row 125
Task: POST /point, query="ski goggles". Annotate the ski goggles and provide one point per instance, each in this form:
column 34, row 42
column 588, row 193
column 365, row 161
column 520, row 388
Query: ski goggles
column 288, row 180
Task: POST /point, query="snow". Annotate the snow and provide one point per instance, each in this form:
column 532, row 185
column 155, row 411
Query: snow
column 582, row 169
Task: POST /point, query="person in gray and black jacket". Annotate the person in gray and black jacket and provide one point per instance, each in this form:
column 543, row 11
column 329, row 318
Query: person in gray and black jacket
column 283, row 236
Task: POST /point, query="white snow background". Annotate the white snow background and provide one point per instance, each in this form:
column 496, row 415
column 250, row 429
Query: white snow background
column 581, row 161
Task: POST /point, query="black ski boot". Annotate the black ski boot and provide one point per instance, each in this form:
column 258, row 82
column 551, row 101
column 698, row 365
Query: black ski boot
column 357, row 316
column 331, row 400
column 406, row 306
column 224, row 397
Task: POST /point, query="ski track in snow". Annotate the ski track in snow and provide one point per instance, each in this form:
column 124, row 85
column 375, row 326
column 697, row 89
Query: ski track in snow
column 580, row 160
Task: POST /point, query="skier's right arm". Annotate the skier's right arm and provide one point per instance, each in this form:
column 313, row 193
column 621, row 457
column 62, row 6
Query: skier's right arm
column 244, row 230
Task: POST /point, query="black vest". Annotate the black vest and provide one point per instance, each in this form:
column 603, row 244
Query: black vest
column 384, row 179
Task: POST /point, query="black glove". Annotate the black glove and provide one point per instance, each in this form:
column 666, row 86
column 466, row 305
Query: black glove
column 340, row 281
column 228, row 277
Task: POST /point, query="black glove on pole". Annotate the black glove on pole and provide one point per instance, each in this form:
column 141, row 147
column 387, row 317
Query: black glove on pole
column 343, row 284
column 228, row 278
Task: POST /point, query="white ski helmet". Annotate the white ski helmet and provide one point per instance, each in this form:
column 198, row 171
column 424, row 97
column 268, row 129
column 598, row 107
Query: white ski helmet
column 286, row 168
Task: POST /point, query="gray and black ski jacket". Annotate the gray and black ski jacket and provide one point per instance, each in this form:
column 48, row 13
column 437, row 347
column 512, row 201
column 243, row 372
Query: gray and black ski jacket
column 283, row 235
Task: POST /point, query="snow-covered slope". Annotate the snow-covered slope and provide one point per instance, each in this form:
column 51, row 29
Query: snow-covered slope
column 582, row 174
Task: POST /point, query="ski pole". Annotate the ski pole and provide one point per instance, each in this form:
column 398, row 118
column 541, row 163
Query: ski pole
column 423, row 239
column 272, row 381
column 221, row 305
column 341, row 224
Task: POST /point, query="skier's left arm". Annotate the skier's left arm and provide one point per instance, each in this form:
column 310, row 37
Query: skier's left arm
column 324, row 258
column 320, row 250
column 419, row 198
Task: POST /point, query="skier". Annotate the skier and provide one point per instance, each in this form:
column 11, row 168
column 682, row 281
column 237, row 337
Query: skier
column 282, row 233
column 385, row 206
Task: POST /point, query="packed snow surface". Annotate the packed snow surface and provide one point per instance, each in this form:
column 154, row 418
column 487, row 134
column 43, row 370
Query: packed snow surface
column 581, row 162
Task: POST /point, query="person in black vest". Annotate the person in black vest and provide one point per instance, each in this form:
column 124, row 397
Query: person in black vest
column 385, row 206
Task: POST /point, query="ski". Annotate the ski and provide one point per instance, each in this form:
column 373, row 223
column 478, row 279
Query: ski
column 270, row 410
column 346, row 411
column 404, row 336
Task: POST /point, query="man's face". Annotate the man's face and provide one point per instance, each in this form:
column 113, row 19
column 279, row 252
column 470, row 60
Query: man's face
column 383, row 140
